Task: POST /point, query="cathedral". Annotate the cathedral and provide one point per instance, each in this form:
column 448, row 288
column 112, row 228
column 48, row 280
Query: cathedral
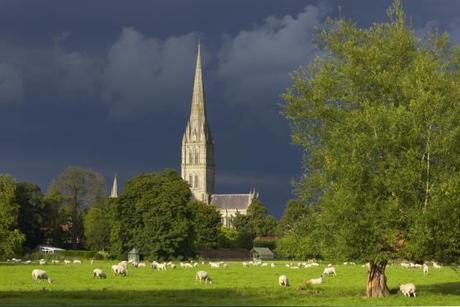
column 198, row 166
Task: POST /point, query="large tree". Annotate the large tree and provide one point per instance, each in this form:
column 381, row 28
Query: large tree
column 79, row 188
column 378, row 115
column 32, row 213
column 293, row 212
column 11, row 238
column 206, row 223
column 97, row 225
column 152, row 214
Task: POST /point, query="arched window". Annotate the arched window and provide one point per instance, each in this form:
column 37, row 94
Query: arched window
column 194, row 135
column 196, row 181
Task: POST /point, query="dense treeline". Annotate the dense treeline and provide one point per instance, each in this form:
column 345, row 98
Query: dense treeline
column 155, row 214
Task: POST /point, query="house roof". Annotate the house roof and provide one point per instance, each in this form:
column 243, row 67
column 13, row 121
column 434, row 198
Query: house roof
column 133, row 251
column 262, row 251
column 232, row 201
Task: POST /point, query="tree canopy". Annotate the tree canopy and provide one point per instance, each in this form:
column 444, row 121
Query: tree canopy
column 10, row 237
column 378, row 116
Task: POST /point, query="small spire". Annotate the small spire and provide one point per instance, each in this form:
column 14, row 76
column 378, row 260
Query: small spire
column 114, row 193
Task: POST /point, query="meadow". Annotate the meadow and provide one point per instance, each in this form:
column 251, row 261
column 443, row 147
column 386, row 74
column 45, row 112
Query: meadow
column 252, row 286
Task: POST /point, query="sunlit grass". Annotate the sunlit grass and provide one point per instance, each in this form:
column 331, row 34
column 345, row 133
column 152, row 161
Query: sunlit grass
column 236, row 285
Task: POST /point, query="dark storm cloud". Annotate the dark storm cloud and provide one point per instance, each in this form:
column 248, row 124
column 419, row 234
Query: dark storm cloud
column 107, row 84
column 11, row 84
column 255, row 64
column 148, row 74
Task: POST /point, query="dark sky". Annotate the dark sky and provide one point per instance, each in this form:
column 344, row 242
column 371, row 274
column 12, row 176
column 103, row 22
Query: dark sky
column 107, row 84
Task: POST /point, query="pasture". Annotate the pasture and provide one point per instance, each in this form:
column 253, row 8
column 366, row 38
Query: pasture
column 235, row 285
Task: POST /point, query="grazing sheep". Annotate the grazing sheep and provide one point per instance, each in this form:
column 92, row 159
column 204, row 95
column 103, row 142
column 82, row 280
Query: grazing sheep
column 294, row 267
column 40, row 275
column 55, row 261
column 272, row 265
column 314, row 264
column 76, row 261
column 186, row 265
column 162, row 266
column 27, row 262
column 123, row 264
column 203, row 276
column 425, row 269
column 329, row 271
column 245, row 264
column 141, row 265
column 315, row 281
column 154, row 265
column 283, row 281
column 67, row 262
column 92, row 261
column 98, row 273
column 436, row 265
column 265, row 264
column 42, row 262
column 407, row 289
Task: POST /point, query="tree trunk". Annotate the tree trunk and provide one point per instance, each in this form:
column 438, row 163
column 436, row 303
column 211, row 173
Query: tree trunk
column 377, row 281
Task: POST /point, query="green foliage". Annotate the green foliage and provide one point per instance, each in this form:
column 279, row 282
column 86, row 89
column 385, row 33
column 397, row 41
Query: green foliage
column 227, row 238
column 378, row 115
column 31, row 213
column 153, row 215
column 294, row 212
column 97, row 225
column 256, row 222
column 206, row 223
column 11, row 238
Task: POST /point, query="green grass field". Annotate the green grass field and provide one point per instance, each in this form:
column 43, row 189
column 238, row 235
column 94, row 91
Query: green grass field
column 236, row 285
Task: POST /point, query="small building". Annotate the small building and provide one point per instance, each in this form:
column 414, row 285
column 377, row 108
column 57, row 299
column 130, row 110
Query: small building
column 49, row 249
column 261, row 253
column 133, row 255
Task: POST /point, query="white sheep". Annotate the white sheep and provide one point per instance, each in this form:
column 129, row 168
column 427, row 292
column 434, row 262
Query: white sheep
column 329, row 271
column 203, row 276
column 154, row 265
column 407, row 289
column 272, row 265
column 67, row 261
column 27, row 262
column 40, row 275
column 55, row 261
column 119, row 270
column 187, row 265
column 162, row 266
column 98, row 273
column 436, row 265
column 123, row 264
column 265, row 264
column 76, row 261
column 315, row 281
column 425, row 269
column 42, row 262
column 283, row 281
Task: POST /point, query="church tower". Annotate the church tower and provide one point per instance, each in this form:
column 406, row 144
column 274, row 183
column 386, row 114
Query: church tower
column 197, row 166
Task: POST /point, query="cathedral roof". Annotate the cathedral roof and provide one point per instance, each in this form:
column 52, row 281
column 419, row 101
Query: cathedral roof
column 232, row 201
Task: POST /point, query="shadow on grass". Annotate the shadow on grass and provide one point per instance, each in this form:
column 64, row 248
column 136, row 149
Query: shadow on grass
column 452, row 288
column 195, row 297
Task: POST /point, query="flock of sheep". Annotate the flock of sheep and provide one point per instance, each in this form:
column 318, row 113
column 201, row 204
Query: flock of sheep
column 121, row 269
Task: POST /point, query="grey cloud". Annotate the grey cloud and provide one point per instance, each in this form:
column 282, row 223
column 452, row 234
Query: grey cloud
column 148, row 74
column 11, row 84
column 260, row 60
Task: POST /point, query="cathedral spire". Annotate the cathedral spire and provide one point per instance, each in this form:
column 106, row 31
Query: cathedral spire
column 114, row 193
column 198, row 111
